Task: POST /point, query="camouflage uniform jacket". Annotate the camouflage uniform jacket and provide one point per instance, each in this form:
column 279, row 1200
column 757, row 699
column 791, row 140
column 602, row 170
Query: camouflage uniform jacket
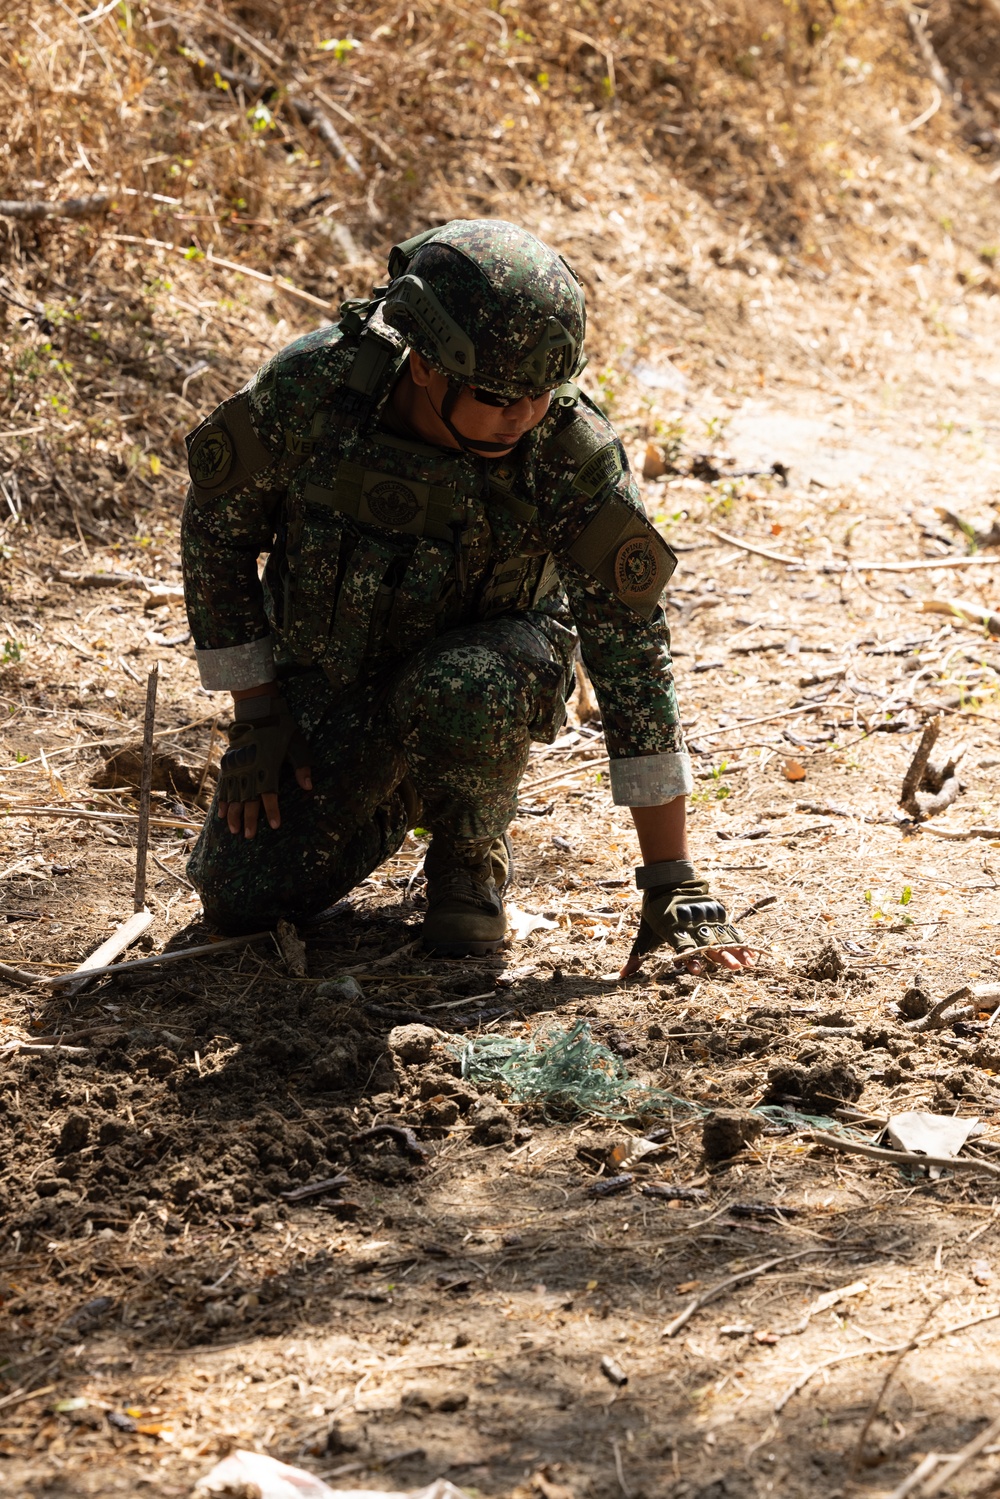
column 376, row 543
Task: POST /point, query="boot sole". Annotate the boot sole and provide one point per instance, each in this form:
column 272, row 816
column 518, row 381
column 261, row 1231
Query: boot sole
column 464, row 949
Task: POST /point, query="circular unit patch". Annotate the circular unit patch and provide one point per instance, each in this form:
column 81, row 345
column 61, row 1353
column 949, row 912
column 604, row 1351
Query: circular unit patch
column 637, row 568
column 211, row 456
column 393, row 503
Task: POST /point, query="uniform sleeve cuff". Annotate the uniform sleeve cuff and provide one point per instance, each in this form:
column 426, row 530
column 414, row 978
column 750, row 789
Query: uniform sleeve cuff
column 236, row 667
column 651, row 780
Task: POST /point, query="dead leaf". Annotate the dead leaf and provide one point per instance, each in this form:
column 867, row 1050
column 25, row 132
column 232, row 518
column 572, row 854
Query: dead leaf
column 981, row 1272
column 794, row 770
column 686, row 1286
column 653, row 466
column 523, row 923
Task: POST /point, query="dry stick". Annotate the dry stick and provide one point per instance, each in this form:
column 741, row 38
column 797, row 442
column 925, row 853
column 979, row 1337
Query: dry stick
column 917, row 766
column 127, row 933
column 970, row 614
column 803, row 1379
column 304, row 108
column 960, row 833
column 921, row 1471
column 746, row 546
column 685, row 1316
column 145, row 789
column 229, row 265
column 562, row 775
column 71, row 749
column 918, row 25
column 901, row 1157
column 154, row 822
column 933, row 1020
column 917, row 564
column 758, row 905
column 69, row 208
column 873, row 1409
column 951, row 1465
column 208, row 759
column 204, row 950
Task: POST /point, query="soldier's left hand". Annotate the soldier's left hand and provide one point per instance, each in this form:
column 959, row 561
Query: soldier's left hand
column 689, row 919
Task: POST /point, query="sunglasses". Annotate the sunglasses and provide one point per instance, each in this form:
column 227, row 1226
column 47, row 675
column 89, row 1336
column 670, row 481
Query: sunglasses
column 488, row 398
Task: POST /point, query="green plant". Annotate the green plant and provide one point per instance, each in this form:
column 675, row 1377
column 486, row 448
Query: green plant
column 12, row 652
column 340, row 46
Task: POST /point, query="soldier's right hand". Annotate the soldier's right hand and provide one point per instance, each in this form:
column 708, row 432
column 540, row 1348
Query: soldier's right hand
column 262, row 736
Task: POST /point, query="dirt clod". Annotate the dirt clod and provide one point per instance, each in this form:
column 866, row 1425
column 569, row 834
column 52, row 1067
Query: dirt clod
column 823, row 963
column 412, row 1043
column 492, row 1124
column 725, row 1132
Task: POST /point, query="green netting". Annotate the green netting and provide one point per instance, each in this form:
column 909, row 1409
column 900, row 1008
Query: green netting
column 779, row 1113
column 565, row 1071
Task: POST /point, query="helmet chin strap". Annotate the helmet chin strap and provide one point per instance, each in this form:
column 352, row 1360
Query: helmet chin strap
column 467, row 444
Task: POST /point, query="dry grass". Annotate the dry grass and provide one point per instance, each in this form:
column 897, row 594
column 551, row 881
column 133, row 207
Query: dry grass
column 675, row 154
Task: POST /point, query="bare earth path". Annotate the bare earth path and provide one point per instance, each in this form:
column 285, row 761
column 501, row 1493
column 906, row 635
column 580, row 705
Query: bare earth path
column 165, row 1301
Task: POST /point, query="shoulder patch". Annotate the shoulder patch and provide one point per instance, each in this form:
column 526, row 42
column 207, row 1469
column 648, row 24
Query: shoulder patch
column 210, row 456
column 601, row 469
column 225, row 450
column 620, row 549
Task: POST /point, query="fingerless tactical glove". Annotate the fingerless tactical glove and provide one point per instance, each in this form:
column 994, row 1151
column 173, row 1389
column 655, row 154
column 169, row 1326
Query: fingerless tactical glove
column 262, row 736
column 678, row 908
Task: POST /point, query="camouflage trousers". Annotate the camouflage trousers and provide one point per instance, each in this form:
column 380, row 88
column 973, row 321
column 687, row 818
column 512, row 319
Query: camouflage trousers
column 444, row 742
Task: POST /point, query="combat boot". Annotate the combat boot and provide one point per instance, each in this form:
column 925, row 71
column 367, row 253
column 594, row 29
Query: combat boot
column 465, row 914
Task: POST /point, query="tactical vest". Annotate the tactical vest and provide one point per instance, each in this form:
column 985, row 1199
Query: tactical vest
column 387, row 542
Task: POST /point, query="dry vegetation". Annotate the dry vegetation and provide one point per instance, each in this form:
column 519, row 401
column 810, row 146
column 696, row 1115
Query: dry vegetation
column 786, row 217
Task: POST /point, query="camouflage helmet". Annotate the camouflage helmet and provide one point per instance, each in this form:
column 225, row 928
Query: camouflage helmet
column 488, row 305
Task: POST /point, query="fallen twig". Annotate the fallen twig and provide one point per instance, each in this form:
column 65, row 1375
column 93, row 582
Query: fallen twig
column 933, row 1020
column 176, row 955
column 972, row 614
column 758, row 905
column 859, row 1450
column 68, row 208
column 952, row 1465
column 72, row 749
column 842, row 1358
column 101, row 958
column 562, row 775
column 315, row 1189
column 43, row 1048
column 390, row 957
column 145, row 790
column 154, row 822
column 758, row 551
column 916, row 768
column 229, row 265
column 900, row 1157
column 682, row 1319
column 960, row 833
column 403, row 1137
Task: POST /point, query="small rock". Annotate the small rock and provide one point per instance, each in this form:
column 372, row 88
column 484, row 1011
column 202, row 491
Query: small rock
column 613, row 1371
column 412, row 1043
column 725, row 1132
column 492, row 1124
column 343, row 990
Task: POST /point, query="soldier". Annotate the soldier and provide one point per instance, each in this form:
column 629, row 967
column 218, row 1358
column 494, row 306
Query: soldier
column 445, row 514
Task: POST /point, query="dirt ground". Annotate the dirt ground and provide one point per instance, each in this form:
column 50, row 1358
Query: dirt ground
column 166, row 1301
column 817, row 376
